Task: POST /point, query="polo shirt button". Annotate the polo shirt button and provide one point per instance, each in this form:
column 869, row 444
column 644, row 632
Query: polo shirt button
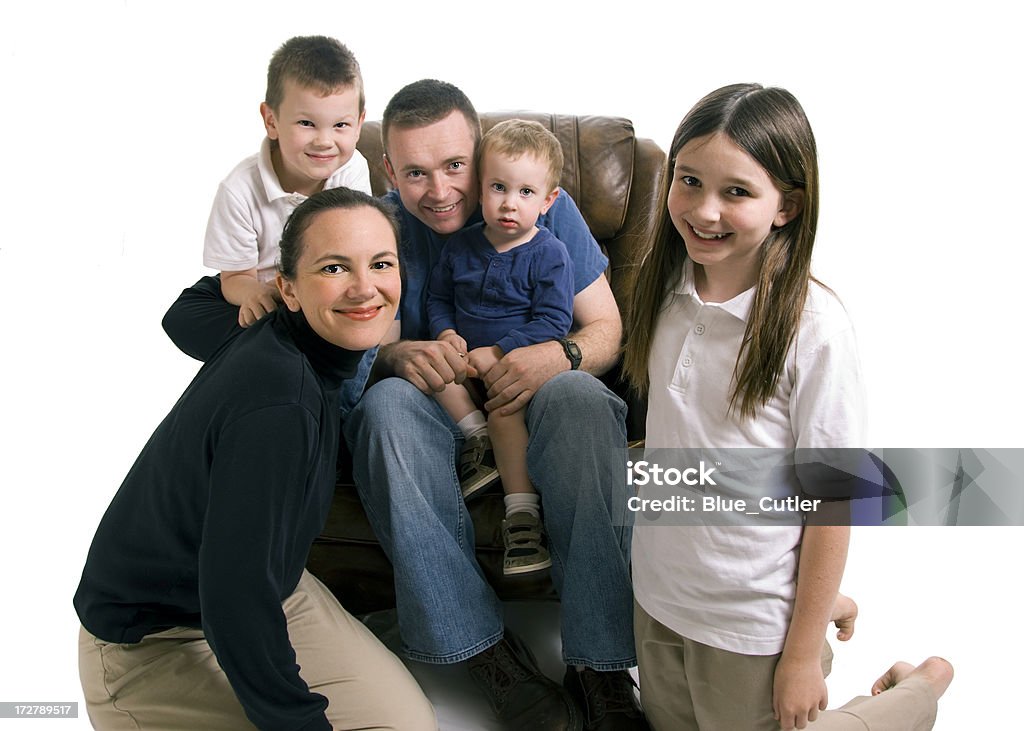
column 699, row 329
column 687, row 362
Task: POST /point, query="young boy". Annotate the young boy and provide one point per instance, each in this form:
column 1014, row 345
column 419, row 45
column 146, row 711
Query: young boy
column 498, row 286
column 313, row 114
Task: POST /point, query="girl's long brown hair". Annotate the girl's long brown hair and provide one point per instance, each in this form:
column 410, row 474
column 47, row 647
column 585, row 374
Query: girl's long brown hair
column 770, row 125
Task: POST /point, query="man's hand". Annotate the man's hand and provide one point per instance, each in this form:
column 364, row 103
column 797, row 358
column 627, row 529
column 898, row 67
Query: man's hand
column 799, row 692
column 429, row 365
column 514, row 380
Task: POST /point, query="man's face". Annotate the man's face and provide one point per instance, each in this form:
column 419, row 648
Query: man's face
column 432, row 167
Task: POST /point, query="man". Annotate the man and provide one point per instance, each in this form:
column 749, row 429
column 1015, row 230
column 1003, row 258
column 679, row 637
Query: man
column 405, row 447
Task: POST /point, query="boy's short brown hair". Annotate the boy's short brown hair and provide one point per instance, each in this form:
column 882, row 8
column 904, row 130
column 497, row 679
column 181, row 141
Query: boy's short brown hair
column 517, row 137
column 316, row 62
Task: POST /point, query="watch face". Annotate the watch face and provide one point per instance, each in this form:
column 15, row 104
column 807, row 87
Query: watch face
column 573, row 353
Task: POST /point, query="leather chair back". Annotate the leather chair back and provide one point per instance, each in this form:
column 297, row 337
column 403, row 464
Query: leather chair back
column 611, row 174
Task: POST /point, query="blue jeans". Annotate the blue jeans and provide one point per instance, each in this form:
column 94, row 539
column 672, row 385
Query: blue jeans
column 405, row 448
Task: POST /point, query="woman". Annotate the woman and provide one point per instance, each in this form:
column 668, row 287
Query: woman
column 196, row 609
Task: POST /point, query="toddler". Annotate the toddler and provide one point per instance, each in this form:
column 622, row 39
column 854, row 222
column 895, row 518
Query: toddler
column 501, row 285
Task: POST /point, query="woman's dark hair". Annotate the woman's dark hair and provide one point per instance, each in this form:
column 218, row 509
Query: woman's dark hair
column 302, row 217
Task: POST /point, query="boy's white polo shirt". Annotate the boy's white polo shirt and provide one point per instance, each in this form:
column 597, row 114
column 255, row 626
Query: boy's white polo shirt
column 250, row 210
column 733, row 587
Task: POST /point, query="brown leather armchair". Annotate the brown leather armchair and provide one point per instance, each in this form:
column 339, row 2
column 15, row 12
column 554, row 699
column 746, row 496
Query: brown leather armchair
column 613, row 176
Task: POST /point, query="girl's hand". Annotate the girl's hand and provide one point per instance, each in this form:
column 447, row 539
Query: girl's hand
column 844, row 617
column 799, row 692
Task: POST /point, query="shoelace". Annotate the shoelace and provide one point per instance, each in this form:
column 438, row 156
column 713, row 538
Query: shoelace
column 611, row 692
column 499, row 670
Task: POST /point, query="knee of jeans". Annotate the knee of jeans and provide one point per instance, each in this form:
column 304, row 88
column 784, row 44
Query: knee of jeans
column 582, row 398
column 395, row 403
column 384, row 397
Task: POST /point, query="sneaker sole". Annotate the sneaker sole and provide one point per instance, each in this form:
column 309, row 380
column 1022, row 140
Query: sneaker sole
column 474, row 488
column 516, row 570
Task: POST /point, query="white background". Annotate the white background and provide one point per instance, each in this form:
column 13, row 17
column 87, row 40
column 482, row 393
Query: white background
column 119, row 119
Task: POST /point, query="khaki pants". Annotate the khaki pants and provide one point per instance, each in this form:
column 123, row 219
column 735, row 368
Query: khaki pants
column 688, row 686
column 171, row 680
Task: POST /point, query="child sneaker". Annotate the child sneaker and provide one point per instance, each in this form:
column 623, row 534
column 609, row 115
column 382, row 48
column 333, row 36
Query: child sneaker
column 522, row 533
column 477, row 468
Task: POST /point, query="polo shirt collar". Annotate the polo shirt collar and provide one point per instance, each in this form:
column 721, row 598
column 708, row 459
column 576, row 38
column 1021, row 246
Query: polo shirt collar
column 739, row 306
column 271, row 185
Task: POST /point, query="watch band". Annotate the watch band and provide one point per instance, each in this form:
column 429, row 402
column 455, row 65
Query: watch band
column 572, row 352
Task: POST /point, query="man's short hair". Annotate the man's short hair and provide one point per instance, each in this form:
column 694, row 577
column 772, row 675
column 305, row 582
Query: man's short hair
column 517, row 137
column 315, row 62
column 425, row 102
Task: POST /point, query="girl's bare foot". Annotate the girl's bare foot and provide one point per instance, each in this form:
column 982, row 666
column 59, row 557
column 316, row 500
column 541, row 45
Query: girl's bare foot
column 936, row 671
column 899, row 671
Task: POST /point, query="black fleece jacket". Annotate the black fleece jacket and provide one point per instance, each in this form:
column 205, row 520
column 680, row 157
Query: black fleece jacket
column 213, row 524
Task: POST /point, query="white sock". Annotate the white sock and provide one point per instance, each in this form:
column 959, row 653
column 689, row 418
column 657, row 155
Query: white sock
column 473, row 424
column 522, row 502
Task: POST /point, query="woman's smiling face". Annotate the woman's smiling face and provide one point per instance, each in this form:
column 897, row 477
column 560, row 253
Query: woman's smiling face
column 346, row 279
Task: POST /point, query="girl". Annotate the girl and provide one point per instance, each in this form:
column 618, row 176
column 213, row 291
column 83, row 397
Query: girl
column 737, row 345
